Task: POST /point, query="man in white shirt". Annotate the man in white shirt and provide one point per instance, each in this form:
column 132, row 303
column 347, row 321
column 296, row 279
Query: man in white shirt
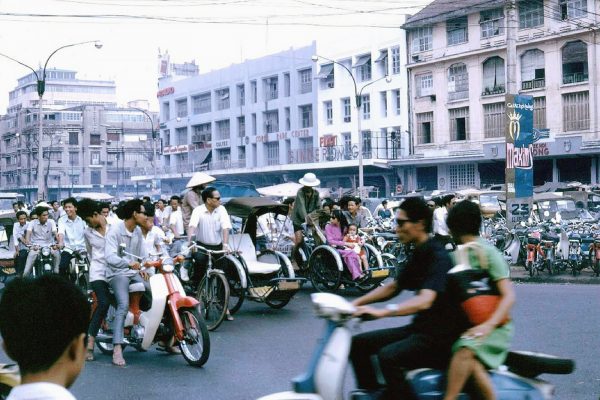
column 210, row 224
column 176, row 226
column 50, row 362
column 18, row 236
column 440, row 229
column 161, row 213
column 71, row 238
column 41, row 232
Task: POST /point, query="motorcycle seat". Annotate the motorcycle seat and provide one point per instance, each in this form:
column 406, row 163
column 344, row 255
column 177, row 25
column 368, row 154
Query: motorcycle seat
column 533, row 240
column 550, row 236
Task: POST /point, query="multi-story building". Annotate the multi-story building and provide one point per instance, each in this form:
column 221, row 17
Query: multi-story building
column 457, row 73
column 89, row 143
column 272, row 119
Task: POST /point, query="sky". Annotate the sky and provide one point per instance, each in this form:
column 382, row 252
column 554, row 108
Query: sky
column 214, row 33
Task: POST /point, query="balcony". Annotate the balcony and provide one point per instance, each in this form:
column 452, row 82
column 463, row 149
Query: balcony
column 494, row 90
column 533, row 84
column 462, row 95
column 575, row 77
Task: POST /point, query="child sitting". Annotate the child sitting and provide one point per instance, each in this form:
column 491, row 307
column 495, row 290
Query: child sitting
column 352, row 237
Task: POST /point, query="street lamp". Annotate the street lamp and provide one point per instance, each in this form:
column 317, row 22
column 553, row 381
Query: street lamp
column 41, row 88
column 154, row 183
column 357, row 104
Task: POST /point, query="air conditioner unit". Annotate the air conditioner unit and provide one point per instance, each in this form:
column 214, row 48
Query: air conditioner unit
column 432, row 97
column 417, row 58
column 330, row 85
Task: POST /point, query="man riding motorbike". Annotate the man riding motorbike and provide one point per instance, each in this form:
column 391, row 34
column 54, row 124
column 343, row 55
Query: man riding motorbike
column 70, row 234
column 40, row 233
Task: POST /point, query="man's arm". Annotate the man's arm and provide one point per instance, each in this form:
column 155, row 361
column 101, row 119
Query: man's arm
column 112, row 250
column 16, row 236
column 382, row 293
column 27, row 238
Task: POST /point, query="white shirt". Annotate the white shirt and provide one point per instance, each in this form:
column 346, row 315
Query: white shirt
column 209, row 226
column 42, row 235
column 176, row 218
column 40, row 391
column 439, row 221
column 154, row 237
column 19, row 233
column 95, row 244
column 72, row 231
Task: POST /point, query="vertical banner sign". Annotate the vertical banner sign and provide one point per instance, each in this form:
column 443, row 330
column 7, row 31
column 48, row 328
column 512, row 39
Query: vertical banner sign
column 519, row 158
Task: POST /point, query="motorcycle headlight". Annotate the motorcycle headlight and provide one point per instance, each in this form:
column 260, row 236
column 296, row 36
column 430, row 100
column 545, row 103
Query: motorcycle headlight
column 380, row 241
column 46, row 251
column 168, row 268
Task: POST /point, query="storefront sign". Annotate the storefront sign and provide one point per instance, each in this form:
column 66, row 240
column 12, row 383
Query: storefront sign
column 277, row 136
column 220, row 144
column 323, row 154
column 165, row 91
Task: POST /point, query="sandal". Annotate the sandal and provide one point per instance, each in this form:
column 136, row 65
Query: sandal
column 89, row 355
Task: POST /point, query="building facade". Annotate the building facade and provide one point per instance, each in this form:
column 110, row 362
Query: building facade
column 457, row 56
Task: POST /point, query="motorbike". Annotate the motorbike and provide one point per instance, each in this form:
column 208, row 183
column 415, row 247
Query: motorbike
column 9, row 378
column 323, row 380
column 79, row 268
column 534, row 252
column 44, row 263
column 171, row 315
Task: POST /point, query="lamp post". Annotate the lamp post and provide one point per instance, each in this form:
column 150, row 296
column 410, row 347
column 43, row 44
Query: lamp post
column 41, row 88
column 154, row 185
column 357, row 104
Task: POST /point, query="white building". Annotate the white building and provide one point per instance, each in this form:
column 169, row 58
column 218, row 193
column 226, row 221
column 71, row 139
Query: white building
column 457, row 73
column 272, row 119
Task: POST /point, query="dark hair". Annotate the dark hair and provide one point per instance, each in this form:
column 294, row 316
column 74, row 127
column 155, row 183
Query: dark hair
column 447, row 199
column 288, row 201
column 103, row 205
column 150, row 209
column 207, row 193
column 417, row 210
column 175, row 198
column 340, row 216
column 16, row 203
column 40, row 209
column 146, row 198
column 39, row 318
column 87, row 207
column 464, row 219
column 327, row 203
column 125, row 210
column 354, row 225
column 384, row 201
column 70, row 200
column 19, row 213
column 53, row 201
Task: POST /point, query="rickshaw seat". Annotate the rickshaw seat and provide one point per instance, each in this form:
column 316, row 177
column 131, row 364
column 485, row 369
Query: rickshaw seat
column 243, row 244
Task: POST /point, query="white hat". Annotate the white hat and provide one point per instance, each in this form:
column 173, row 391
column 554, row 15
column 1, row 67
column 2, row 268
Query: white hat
column 309, row 179
column 199, row 178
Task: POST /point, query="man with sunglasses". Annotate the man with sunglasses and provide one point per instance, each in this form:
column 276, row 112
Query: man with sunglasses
column 437, row 323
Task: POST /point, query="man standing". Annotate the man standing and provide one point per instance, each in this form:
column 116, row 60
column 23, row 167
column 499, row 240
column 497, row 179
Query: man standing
column 18, row 236
column 176, row 226
column 161, row 214
column 440, row 229
column 71, row 230
column 193, row 198
column 56, row 211
column 211, row 224
column 306, row 201
column 41, row 232
column 437, row 323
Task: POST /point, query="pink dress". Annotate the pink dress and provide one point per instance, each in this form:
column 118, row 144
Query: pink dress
column 336, row 238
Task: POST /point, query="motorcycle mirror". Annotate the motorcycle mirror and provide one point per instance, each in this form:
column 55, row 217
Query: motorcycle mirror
column 121, row 249
column 523, row 224
column 546, row 213
column 558, row 217
column 530, row 220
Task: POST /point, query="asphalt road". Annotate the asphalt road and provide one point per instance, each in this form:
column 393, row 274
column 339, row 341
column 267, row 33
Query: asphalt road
column 263, row 349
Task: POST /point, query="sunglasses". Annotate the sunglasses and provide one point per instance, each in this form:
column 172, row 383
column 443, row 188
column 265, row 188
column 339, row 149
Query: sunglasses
column 431, row 205
column 400, row 222
column 142, row 212
column 216, row 198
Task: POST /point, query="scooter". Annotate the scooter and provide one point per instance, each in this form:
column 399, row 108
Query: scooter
column 79, row 268
column 172, row 314
column 323, row 380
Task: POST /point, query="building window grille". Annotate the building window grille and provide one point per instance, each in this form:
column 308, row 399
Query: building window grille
column 366, row 106
column 493, row 76
column 494, row 120
column 572, row 9
column 181, row 106
column 222, row 99
column 182, row 135
column 305, row 76
column 241, row 126
column 457, row 31
column 397, row 101
column 461, row 176
column 395, row 60
column 271, row 119
column 531, row 14
column 458, row 82
column 425, row 128
column 347, row 108
column 202, row 133
column 492, row 23
column 424, row 84
column 201, row 103
column 272, row 150
column 539, row 112
column 533, row 72
column 421, row 39
column 306, row 116
column 253, row 91
column 223, row 131
column 271, row 88
column 459, row 123
column 575, row 62
column 576, row 111
column 241, row 95
column 328, row 106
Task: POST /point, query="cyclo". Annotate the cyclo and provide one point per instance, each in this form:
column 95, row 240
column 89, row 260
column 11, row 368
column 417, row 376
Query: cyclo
column 264, row 276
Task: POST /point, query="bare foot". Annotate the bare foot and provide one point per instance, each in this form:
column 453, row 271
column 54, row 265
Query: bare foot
column 118, row 359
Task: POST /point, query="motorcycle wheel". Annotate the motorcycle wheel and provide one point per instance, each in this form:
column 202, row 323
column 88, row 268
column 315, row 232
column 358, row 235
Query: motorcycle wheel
column 195, row 346
column 530, row 268
column 548, row 266
column 596, row 266
column 213, row 293
column 82, row 283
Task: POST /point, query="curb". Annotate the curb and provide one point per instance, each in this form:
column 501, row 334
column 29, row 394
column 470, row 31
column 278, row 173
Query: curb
column 519, row 275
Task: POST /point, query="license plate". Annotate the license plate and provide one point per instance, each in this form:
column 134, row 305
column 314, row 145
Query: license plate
column 47, row 267
column 288, row 285
column 380, row 273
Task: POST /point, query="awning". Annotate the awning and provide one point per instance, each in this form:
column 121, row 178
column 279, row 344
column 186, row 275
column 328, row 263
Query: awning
column 199, row 156
column 325, row 72
column 382, row 56
column 362, row 60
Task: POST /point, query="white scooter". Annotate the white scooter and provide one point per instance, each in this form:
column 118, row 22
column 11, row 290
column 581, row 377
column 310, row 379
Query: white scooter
column 323, row 380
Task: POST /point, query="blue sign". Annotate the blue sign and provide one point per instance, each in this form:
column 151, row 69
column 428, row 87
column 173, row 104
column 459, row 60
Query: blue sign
column 519, row 146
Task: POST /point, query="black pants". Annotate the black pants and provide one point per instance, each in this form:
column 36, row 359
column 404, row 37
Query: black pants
column 397, row 350
column 20, row 261
column 201, row 261
column 65, row 260
column 103, row 299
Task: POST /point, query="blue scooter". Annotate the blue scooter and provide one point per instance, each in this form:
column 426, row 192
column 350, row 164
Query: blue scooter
column 323, row 380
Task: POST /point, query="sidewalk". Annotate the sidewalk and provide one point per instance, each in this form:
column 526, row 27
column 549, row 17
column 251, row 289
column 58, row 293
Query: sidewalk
column 519, row 274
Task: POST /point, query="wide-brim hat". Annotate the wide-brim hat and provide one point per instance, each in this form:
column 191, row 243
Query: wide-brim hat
column 309, row 179
column 199, row 178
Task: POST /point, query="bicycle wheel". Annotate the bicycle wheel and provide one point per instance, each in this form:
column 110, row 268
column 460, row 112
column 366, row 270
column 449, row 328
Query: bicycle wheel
column 213, row 293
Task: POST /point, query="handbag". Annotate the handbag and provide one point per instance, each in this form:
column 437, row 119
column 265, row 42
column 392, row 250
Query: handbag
column 474, row 288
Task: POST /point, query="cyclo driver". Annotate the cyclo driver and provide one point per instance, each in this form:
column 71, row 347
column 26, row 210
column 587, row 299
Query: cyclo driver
column 123, row 270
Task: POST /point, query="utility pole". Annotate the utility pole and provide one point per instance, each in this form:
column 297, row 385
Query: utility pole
column 511, row 47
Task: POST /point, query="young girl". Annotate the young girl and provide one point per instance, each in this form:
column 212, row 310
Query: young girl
column 352, row 237
column 335, row 237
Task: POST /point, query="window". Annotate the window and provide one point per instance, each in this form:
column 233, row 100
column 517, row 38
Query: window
column 241, row 94
column 241, row 126
column 421, row 39
column 326, row 76
column 254, row 124
column 74, row 158
column 347, row 139
column 425, row 128
column 242, row 155
column 395, row 59
column 288, row 122
column 576, row 111
column 531, row 13
column 461, row 176
column 222, row 97
column 533, row 73
column 73, row 138
column 575, row 62
column 96, row 177
column 366, row 106
column 458, row 82
column 202, row 133
column 328, row 108
column 95, row 158
column 539, row 113
column 182, row 135
column 384, row 105
column 113, row 135
column 271, row 88
column 272, row 150
column 305, row 77
column 201, row 103
column 459, row 123
column 347, row 109
column 166, row 110
column 396, row 95
column 271, row 119
column 493, row 76
column 363, row 67
column 572, row 8
column 367, row 147
column 382, row 60
column 286, row 84
column 223, row 129
column 181, row 106
column 306, row 116
column 491, row 23
column 253, row 91
column 494, row 120
column 424, row 84
column 457, row 31
column 95, row 140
